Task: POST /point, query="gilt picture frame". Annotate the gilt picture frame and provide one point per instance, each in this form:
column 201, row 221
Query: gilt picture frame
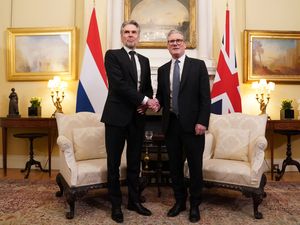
column 156, row 21
column 38, row 54
column 272, row 55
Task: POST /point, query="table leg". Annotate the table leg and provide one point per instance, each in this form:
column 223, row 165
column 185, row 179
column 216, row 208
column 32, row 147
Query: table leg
column 4, row 149
column 272, row 153
column 49, row 149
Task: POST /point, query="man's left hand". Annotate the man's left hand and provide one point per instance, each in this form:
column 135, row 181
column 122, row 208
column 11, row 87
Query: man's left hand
column 142, row 109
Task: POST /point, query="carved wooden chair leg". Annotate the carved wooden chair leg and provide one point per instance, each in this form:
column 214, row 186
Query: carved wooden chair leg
column 263, row 184
column 71, row 201
column 257, row 199
column 60, row 185
column 70, row 214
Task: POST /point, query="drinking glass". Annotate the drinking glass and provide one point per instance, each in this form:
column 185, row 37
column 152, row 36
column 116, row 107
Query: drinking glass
column 148, row 135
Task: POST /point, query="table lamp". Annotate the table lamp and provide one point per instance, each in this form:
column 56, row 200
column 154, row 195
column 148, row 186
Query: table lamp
column 57, row 87
column 263, row 90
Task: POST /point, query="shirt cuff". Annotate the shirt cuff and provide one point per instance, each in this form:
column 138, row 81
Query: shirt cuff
column 145, row 100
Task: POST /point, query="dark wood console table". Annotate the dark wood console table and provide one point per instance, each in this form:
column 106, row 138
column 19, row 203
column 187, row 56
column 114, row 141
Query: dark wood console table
column 286, row 127
column 48, row 124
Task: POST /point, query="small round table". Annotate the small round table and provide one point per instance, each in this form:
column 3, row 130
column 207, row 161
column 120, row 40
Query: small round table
column 31, row 161
column 289, row 160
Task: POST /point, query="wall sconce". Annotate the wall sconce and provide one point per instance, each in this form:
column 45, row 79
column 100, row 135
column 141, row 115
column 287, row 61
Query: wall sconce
column 57, row 88
column 263, row 90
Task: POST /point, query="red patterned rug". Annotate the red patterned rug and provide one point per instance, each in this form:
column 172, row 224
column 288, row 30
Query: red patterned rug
column 34, row 202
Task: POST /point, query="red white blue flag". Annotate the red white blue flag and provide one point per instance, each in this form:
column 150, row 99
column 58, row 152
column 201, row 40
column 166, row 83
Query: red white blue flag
column 225, row 94
column 92, row 87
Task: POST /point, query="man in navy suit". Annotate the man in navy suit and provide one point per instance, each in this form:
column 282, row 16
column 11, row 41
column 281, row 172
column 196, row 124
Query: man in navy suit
column 129, row 95
column 186, row 110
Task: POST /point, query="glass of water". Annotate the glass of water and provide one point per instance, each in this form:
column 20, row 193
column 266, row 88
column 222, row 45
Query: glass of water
column 148, row 135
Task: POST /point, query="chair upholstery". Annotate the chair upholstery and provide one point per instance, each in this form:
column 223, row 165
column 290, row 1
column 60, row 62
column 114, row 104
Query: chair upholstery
column 226, row 169
column 88, row 170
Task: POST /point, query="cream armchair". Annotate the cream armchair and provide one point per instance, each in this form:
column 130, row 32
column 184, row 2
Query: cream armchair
column 234, row 155
column 82, row 156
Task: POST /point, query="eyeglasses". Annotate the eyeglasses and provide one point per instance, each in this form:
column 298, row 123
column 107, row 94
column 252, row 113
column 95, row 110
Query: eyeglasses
column 177, row 41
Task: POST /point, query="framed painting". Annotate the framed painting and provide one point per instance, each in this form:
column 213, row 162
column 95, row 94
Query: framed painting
column 37, row 54
column 157, row 18
column 272, row 55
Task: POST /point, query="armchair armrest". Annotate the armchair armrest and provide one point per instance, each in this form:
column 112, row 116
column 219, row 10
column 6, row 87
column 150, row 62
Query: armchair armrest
column 257, row 158
column 208, row 152
column 67, row 158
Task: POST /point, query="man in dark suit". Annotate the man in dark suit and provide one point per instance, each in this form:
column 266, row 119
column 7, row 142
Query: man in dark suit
column 186, row 110
column 129, row 95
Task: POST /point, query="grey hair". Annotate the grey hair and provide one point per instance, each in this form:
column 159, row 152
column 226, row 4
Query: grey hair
column 174, row 31
column 132, row 22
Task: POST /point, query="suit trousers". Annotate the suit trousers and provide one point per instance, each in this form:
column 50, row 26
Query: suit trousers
column 115, row 138
column 180, row 146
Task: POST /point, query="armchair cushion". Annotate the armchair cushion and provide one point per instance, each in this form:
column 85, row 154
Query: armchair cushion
column 89, row 143
column 232, row 144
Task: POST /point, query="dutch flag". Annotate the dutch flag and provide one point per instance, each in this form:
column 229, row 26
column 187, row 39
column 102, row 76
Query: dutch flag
column 92, row 87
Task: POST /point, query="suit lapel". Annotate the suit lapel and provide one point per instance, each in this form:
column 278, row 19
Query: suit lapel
column 143, row 72
column 185, row 72
column 167, row 77
column 127, row 61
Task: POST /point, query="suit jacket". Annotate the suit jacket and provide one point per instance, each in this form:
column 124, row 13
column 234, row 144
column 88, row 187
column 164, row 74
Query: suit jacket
column 123, row 97
column 194, row 94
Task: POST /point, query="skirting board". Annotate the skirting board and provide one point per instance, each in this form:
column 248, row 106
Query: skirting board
column 17, row 161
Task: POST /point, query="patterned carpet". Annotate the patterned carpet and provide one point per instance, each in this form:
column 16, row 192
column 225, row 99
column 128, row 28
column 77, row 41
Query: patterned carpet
column 34, row 202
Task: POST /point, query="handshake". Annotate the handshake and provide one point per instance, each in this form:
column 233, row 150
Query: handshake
column 152, row 104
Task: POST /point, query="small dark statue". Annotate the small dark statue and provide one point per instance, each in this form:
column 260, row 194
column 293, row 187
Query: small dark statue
column 13, row 104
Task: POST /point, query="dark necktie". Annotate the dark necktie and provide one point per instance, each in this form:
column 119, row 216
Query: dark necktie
column 176, row 85
column 132, row 59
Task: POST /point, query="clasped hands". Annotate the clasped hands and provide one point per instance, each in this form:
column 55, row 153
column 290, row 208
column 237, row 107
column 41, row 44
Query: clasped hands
column 152, row 104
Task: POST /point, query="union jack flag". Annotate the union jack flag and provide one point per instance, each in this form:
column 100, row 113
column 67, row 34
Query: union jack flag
column 225, row 94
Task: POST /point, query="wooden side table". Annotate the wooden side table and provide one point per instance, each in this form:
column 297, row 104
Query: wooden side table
column 276, row 126
column 31, row 161
column 47, row 124
column 155, row 162
column 288, row 160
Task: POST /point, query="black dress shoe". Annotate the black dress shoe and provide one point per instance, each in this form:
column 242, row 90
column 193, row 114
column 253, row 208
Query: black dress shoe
column 117, row 215
column 139, row 208
column 176, row 209
column 194, row 214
